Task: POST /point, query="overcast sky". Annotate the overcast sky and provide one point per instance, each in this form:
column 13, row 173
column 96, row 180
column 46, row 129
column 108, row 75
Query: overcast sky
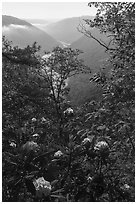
column 46, row 10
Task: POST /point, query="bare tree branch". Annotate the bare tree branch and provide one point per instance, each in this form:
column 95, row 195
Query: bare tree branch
column 82, row 29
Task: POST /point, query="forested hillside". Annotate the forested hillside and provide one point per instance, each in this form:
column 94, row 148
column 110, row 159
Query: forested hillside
column 55, row 151
column 96, row 58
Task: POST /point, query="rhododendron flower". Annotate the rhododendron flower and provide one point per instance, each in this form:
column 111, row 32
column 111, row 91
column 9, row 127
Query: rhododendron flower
column 126, row 186
column 58, row 154
column 35, row 135
column 33, row 119
column 101, row 145
column 86, row 140
column 102, row 148
column 42, row 187
column 68, row 111
column 13, row 144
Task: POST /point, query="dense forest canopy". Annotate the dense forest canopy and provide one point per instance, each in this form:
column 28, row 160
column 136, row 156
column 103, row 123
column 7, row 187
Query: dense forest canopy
column 53, row 151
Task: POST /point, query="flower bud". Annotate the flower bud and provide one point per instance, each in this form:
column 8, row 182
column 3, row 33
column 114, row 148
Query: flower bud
column 126, row 186
column 102, row 148
column 36, row 135
column 58, row 154
column 69, row 112
column 33, row 120
column 86, row 142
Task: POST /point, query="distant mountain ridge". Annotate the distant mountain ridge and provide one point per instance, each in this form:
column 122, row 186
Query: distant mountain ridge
column 66, row 30
column 8, row 20
column 36, row 21
column 22, row 33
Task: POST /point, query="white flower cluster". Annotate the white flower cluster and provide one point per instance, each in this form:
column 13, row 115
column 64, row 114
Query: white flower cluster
column 68, row 111
column 58, row 154
column 101, row 146
column 33, row 120
column 86, row 141
column 42, row 187
column 126, row 186
column 30, row 145
column 13, row 144
column 35, row 135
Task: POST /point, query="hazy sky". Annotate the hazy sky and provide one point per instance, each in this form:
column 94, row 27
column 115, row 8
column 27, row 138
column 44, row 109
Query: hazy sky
column 46, row 10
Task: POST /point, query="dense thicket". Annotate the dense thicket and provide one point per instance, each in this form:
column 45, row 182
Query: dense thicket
column 52, row 152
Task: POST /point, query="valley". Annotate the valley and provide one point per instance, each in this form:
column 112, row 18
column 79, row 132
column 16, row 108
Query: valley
column 49, row 34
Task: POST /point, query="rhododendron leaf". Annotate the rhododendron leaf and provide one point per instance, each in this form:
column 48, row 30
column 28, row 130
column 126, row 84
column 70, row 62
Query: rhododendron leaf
column 58, row 196
column 58, row 191
column 54, row 182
